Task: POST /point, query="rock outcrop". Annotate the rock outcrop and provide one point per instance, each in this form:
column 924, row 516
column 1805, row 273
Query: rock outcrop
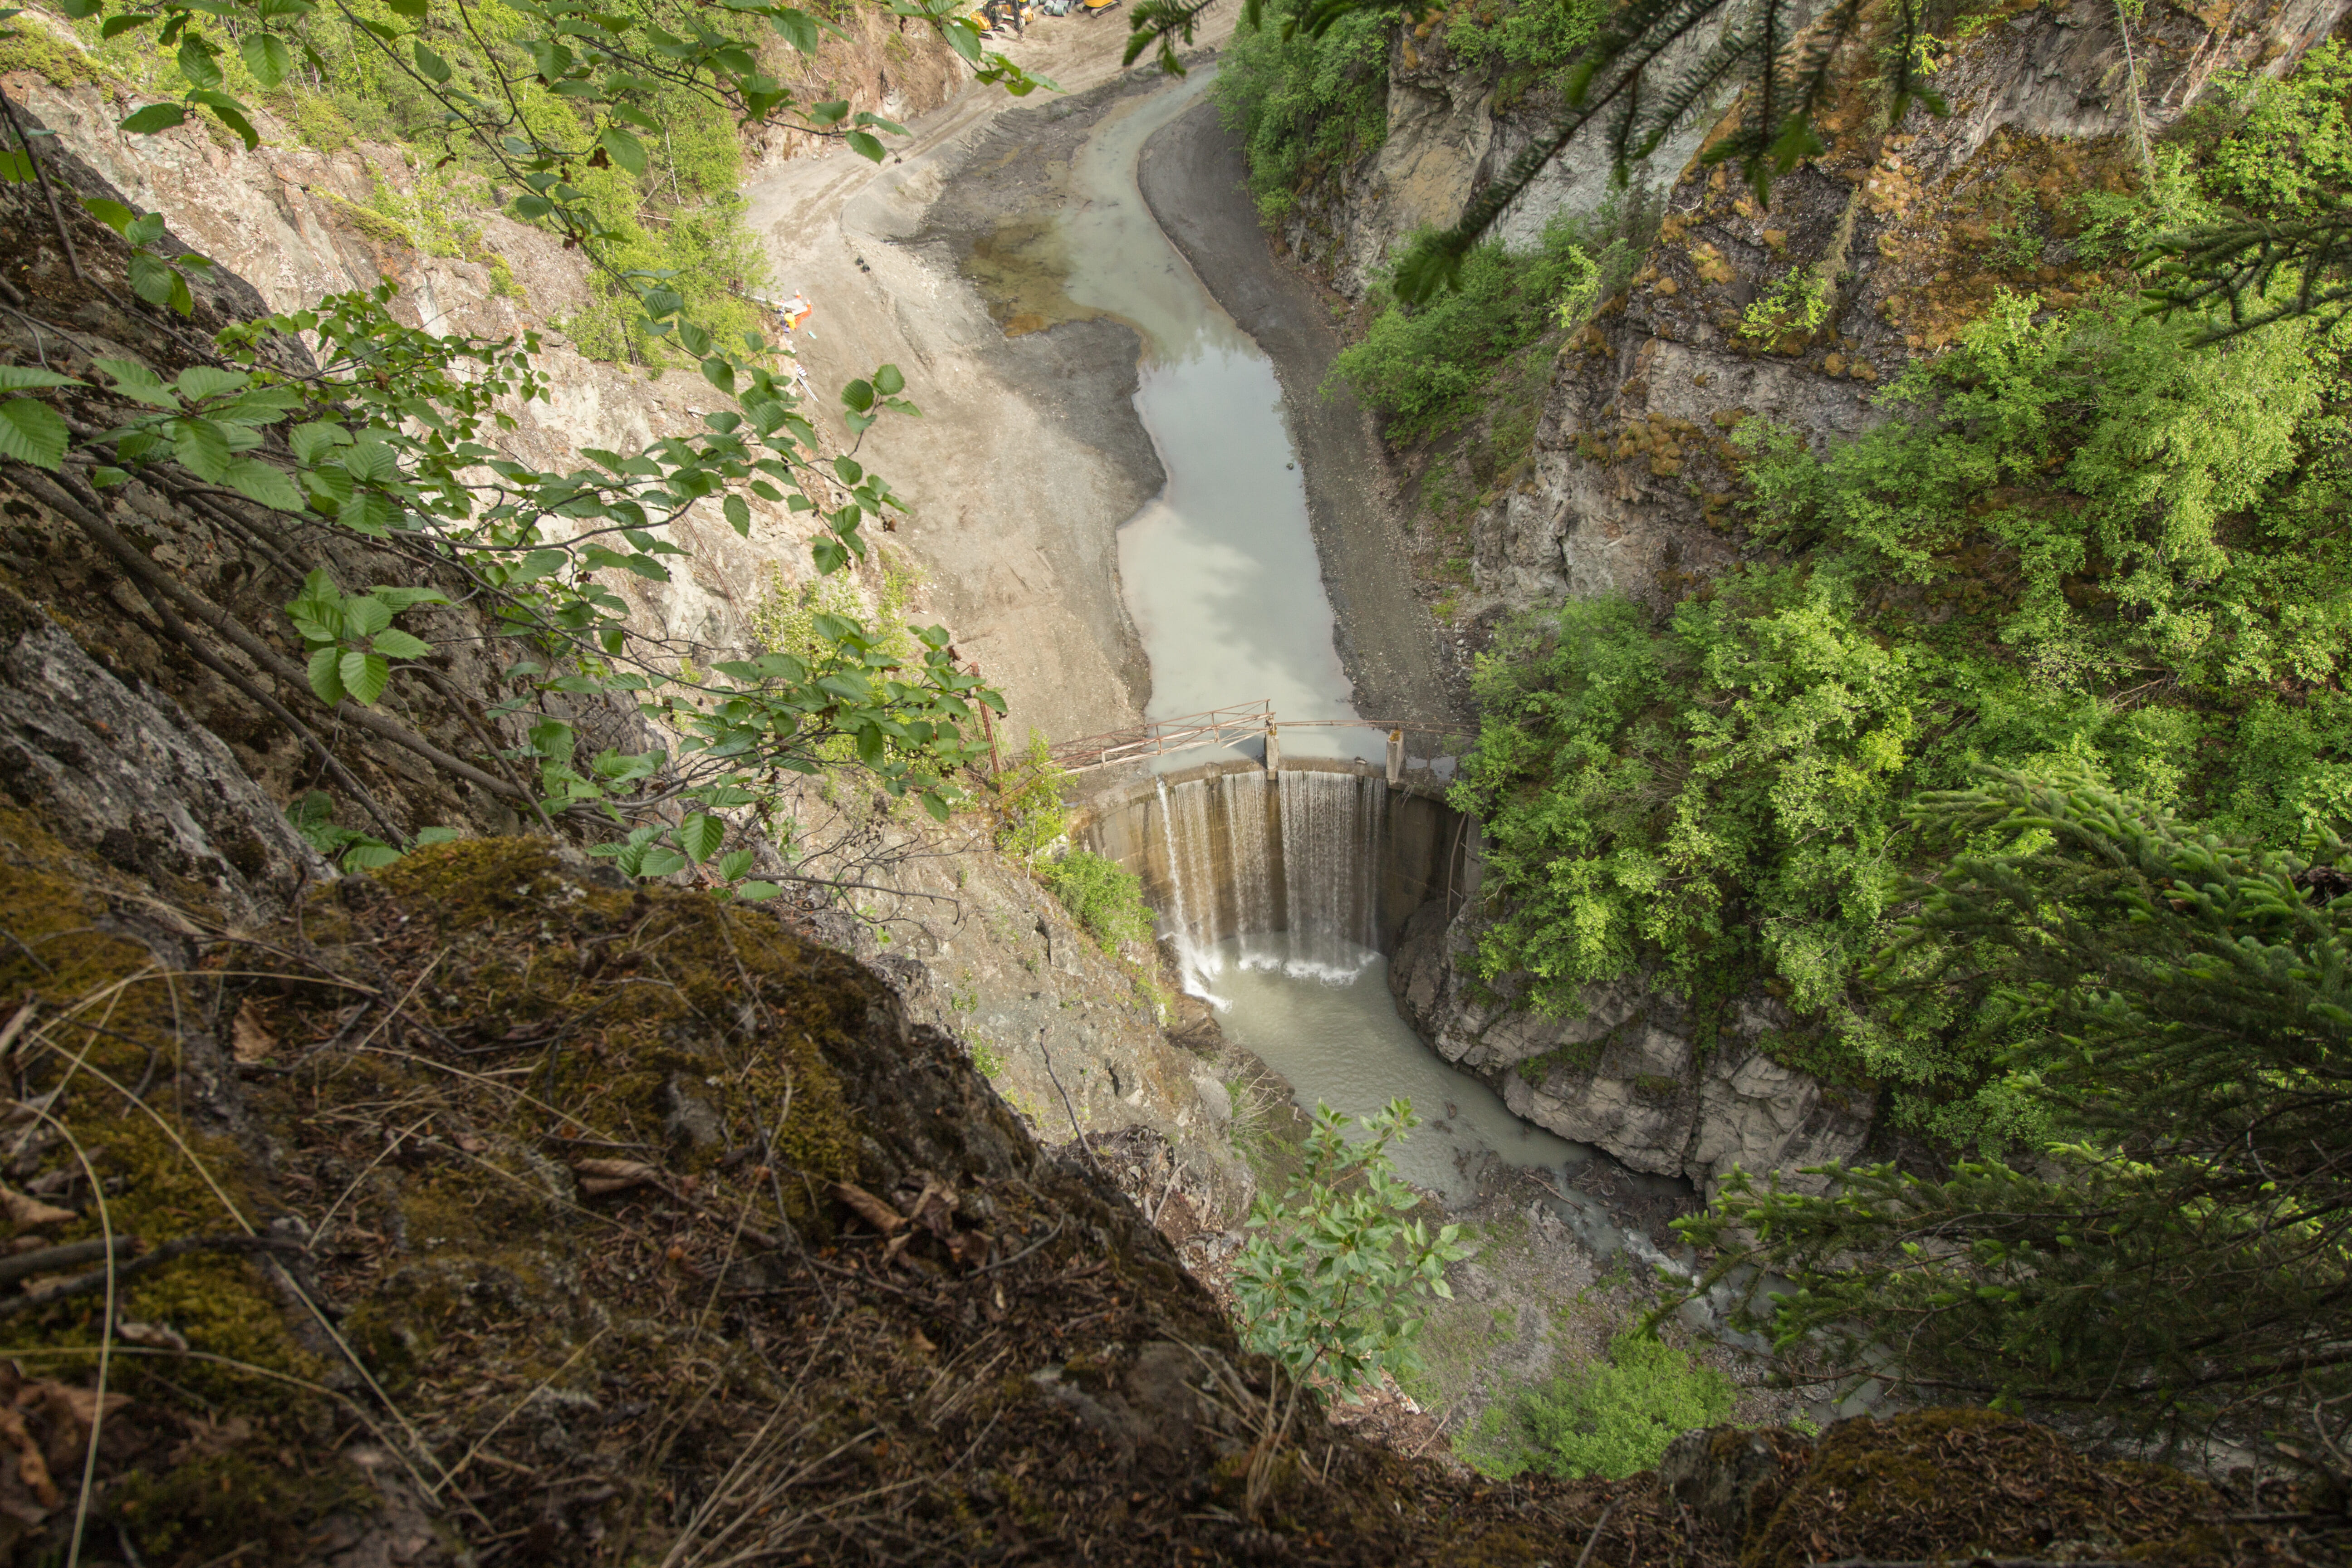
column 1628, row 485
column 126, row 771
column 1632, row 1077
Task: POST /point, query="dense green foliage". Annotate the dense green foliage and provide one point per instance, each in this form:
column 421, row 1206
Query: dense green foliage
column 2179, row 1013
column 1526, row 41
column 2080, row 539
column 2083, row 543
column 1301, row 100
column 1426, row 368
column 1607, row 1418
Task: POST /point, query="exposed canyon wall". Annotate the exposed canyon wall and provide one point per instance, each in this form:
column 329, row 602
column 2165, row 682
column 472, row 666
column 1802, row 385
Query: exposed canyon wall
column 1453, row 125
column 1628, row 485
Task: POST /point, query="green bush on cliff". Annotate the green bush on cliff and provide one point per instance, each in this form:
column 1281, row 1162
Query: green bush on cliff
column 1302, row 102
column 1033, row 822
column 2290, row 152
column 1101, row 895
column 1428, row 367
column 1607, row 1418
column 2078, row 542
column 1524, row 37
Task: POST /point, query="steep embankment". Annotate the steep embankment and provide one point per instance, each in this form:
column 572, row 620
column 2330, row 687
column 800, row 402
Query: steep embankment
column 972, row 939
column 1029, row 454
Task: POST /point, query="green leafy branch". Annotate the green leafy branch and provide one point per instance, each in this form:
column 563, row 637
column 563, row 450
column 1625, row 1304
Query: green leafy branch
column 396, row 439
column 158, row 279
column 1325, row 1280
column 350, row 638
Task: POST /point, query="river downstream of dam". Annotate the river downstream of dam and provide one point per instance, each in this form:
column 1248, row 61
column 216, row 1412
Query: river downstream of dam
column 1221, row 575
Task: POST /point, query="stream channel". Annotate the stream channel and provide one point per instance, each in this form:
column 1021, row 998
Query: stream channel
column 1220, row 576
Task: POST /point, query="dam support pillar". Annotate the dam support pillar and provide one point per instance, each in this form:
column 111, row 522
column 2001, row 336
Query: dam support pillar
column 1273, row 752
column 1396, row 757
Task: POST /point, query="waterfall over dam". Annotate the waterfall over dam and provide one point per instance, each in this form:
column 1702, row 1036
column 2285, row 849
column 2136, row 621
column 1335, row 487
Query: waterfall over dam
column 1312, row 871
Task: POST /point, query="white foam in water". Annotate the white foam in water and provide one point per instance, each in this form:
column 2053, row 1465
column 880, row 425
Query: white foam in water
column 1327, row 856
column 1345, row 1046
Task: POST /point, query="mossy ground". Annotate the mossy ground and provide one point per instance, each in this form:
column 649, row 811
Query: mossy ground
column 1972, row 1482
column 412, row 1075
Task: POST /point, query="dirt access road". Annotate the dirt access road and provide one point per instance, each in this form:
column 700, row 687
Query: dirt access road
column 1030, row 454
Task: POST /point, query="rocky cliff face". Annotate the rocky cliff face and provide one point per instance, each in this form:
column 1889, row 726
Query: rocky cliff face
column 979, row 948
column 1628, row 486
column 1632, row 1075
column 1453, row 123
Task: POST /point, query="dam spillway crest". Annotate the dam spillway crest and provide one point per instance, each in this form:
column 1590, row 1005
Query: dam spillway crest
column 1310, row 873
column 1285, row 868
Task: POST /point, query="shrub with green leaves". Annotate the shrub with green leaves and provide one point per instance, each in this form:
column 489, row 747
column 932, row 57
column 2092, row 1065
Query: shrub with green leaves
column 1101, row 895
column 1427, row 368
column 1605, row 1419
column 313, row 816
column 1795, row 307
column 1327, row 1278
column 1033, row 803
column 1528, row 40
column 2289, row 152
column 2077, row 538
column 1301, row 101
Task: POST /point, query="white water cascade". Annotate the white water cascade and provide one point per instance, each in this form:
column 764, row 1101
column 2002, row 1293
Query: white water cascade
column 1272, row 874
